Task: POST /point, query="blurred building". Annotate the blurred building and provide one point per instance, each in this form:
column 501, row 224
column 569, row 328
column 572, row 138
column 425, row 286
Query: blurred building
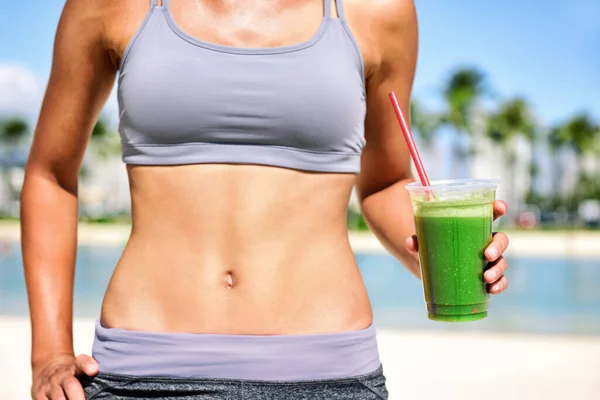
column 510, row 165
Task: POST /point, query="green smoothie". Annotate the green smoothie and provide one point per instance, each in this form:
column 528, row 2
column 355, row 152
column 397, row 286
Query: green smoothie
column 454, row 228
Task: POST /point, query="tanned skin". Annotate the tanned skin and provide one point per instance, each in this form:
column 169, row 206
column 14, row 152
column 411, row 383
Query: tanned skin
column 216, row 248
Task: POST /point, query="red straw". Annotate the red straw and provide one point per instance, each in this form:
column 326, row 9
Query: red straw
column 410, row 141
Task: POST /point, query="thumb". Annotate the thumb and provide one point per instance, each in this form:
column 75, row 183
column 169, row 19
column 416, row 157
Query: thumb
column 86, row 365
column 412, row 244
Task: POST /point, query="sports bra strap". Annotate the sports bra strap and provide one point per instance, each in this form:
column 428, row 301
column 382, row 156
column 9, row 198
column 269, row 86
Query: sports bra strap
column 340, row 9
column 153, row 3
column 327, row 8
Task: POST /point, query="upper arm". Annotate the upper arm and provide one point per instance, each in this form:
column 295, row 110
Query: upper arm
column 386, row 158
column 81, row 79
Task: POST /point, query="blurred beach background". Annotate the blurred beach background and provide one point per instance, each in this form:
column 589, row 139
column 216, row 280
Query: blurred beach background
column 507, row 90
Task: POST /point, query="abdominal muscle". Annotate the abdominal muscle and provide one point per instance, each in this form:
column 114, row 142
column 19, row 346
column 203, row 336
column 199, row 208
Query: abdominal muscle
column 237, row 249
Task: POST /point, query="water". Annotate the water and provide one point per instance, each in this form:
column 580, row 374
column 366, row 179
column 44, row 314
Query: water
column 550, row 296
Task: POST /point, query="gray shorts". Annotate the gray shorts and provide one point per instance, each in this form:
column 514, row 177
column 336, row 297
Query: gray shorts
column 126, row 387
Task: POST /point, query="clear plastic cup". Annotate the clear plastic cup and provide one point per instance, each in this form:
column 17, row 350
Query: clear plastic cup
column 454, row 221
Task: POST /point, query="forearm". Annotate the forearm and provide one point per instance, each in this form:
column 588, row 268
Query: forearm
column 389, row 215
column 49, row 241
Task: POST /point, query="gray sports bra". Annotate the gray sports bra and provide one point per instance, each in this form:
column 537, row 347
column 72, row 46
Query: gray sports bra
column 186, row 101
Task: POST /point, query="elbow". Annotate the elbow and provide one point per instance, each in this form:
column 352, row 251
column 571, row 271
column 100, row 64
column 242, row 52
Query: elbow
column 40, row 173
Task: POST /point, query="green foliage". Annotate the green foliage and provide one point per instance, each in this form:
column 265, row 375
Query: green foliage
column 13, row 130
column 100, row 130
column 356, row 221
column 534, row 170
column 461, row 93
column 120, row 218
column 581, row 133
column 588, row 187
column 512, row 118
column 556, row 138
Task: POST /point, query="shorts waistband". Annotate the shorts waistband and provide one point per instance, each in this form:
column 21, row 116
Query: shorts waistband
column 244, row 357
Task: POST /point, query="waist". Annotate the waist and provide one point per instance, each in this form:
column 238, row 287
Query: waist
column 237, row 249
column 249, row 357
column 248, row 296
column 257, row 287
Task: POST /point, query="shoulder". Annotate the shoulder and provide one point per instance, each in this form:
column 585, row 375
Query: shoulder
column 383, row 16
column 84, row 21
column 388, row 28
column 394, row 22
column 388, row 14
column 99, row 10
column 106, row 24
column 92, row 13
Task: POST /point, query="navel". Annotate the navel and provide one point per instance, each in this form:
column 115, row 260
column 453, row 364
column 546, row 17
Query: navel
column 230, row 281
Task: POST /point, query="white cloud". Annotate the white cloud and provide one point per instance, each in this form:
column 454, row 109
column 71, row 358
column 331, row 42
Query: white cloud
column 20, row 92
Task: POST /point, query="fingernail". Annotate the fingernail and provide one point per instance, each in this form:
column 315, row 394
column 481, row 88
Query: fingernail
column 491, row 275
column 495, row 288
column 492, row 254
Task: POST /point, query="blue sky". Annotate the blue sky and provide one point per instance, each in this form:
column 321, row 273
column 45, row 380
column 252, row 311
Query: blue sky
column 547, row 51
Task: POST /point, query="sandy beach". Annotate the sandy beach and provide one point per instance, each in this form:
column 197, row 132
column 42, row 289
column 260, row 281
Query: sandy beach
column 418, row 365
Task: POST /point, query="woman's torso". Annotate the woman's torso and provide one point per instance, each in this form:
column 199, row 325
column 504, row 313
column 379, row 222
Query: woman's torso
column 224, row 248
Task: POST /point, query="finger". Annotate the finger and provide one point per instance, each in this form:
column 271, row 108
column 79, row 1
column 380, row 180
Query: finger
column 497, row 247
column 495, row 270
column 86, row 365
column 499, row 286
column 412, row 244
column 40, row 396
column 42, row 392
column 72, row 387
column 500, row 208
column 57, row 393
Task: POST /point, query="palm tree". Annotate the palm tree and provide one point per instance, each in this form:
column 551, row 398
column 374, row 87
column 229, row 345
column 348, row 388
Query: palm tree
column 596, row 154
column 581, row 133
column 462, row 93
column 13, row 131
column 556, row 142
column 513, row 118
